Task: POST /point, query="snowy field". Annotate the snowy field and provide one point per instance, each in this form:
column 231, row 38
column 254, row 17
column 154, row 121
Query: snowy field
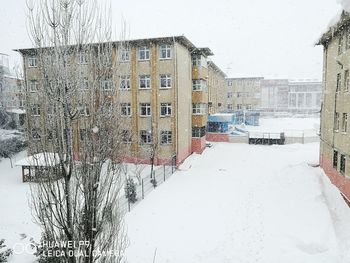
column 243, row 203
column 290, row 126
column 234, row 203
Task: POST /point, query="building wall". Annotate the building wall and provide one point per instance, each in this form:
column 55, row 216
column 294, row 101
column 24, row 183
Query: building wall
column 335, row 101
column 180, row 95
column 217, row 90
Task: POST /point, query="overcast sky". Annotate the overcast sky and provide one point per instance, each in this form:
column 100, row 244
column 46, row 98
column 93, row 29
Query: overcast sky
column 267, row 38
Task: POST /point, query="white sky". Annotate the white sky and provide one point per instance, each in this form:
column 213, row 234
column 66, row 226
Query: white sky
column 268, row 38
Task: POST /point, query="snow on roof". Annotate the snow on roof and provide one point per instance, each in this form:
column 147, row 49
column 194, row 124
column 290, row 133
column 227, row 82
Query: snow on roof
column 39, row 159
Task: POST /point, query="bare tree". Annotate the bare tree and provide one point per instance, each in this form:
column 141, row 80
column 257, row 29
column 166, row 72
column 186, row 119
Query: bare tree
column 74, row 127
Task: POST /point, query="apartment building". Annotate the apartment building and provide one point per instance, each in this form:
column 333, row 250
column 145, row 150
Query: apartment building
column 335, row 136
column 243, row 94
column 162, row 87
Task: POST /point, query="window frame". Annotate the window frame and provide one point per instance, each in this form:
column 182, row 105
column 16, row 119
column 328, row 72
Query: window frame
column 168, row 108
column 168, row 136
column 168, row 81
column 147, row 53
column 165, row 49
column 146, row 134
column 125, row 107
column 147, row 108
column 124, row 82
column 147, row 80
column 32, row 62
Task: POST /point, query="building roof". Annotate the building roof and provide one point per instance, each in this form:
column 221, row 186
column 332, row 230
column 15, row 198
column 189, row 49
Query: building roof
column 180, row 39
column 216, row 68
column 40, row 159
column 337, row 24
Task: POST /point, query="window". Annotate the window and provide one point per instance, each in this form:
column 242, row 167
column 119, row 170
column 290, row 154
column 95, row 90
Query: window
column 144, row 53
column 198, row 108
column 308, row 100
column 124, row 54
column 345, row 123
column 82, row 58
column 165, row 137
column 126, row 136
column 338, row 88
column 33, row 86
column 239, row 106
column 124, row 83
column 340, row 44
column 198, row 132
column 106, row 85
column 145, row 109
column 32, row 62
column 229, row 83
column 165, row 109
column 165, row 81
column 82, row 133
column 342, row 164
column 35, row 110
column 229, row 95
column 84, row 84
column 165, row 51
column 229, row 107
column 125, row 109
column 107, row 107
column 199, row 61
column 145, row 137
column 51, row 109
column 335, row 159
column 144, row 82
column 336, row 121
column 199, row 85
column 84, row 110
column 248, row 106
column 346, row 80
column 35, row 134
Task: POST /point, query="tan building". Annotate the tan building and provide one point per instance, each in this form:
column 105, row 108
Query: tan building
column 162, row 88
column 243, row 94
column 216, row 88
column 335, row 133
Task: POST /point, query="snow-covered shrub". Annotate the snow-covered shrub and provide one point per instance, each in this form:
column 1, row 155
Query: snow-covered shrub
column 11, row 146
column 130, row 190
column 5, row 253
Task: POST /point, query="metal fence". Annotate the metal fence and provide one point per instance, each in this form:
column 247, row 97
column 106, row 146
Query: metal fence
column 147, row 185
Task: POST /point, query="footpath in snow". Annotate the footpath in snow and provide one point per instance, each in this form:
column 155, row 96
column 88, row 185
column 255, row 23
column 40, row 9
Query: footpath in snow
column 243, row 203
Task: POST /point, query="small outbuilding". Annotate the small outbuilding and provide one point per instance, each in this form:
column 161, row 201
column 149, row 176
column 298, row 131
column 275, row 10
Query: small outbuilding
column 34, row 165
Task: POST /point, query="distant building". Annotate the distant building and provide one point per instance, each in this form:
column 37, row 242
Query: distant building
column 273, row 95
column 293, row 96
column 243, row 94
column 12, row 97
column 335, row 133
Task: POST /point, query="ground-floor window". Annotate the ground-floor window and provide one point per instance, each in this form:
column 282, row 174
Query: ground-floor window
column 342, row 163
column 335, row 159
column 198, row 132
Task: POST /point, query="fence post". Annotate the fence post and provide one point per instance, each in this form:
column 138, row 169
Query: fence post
column 142, row 190
column 164, row 172
column 303, row 138
column 128, row 205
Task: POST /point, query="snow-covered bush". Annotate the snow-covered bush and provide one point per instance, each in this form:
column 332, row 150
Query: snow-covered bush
column 5, row 253
column 130, row 190
column 11, row 146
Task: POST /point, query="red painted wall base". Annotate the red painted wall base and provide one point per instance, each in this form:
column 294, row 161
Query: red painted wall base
column 198, row 145
column 217, row 137
column 336, row 178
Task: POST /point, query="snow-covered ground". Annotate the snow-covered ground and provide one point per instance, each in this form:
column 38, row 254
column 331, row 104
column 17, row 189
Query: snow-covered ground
column 234, row 203
column 243, row 203
column 290, row 126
